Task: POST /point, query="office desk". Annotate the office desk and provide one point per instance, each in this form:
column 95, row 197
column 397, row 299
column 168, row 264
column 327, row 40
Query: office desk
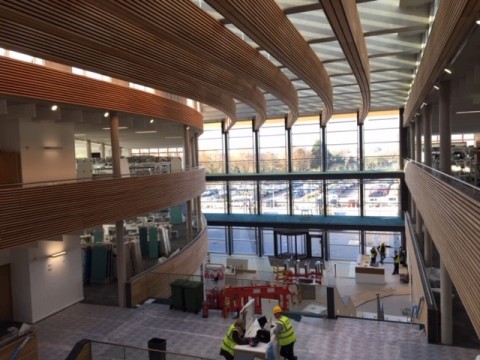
column 247, row 352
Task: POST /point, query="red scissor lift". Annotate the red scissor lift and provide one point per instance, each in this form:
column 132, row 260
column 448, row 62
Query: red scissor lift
column 232, row 299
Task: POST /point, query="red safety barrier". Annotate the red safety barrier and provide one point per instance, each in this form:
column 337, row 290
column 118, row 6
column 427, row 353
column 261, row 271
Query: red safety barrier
column 232, row 299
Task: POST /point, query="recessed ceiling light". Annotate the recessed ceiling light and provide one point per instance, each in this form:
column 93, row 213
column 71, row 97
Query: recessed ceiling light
column 54, row 107
column 436, row 87
column 173, row 137
column 152, row 121
column 448, row 71
column 119, row 128
column 478, row 22
column 79, row 134
column 146, row 132
column 107, row 114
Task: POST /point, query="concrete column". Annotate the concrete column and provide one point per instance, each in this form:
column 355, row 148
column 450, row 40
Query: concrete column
column 412, row 156
column 427, row 151
column 186, row 154
column 120, row 246
column 418, row 158
column 102, row 150
column 445, row 166
column 89, row 149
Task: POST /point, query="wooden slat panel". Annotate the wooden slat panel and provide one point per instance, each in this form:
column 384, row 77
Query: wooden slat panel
column 29, row 352
column 37, row 82
column 453, row 21
column 268, row 26
column 453, row 222
column 156, row 282
column 345, row 22
column 35, row 213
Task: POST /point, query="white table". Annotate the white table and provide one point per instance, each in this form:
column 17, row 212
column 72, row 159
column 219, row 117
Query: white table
column 247, row 352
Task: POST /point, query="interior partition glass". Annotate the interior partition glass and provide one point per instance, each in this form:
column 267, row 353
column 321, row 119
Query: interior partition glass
column 244, row 240
column 274, row 197
column 267, row 236
column 381, row 138
column 242, row 197
column 217, row 239
column 344, row 245
column 211, row 148
column 382, row 197
column 307, row 197
column 306, row 144
column 342, row 143
column 241, row 153
column 343, row 197
column 214, row 198
column 272, row 146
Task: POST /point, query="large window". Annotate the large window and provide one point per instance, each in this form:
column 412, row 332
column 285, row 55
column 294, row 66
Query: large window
column 217, row 236
column 382, row 141
column 342, row 143
column 211, row 148
column 274, row 197
column 392, row 241
column 242, row 197
column 241, row 151
column 343, row 197
column 244, row 240
column 272, row 146
column 306, row 144
column 344, row 245
column 214, row 198
column 382, row 197
column 307, row 197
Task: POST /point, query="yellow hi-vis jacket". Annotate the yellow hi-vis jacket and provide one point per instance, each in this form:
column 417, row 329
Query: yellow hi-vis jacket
column 287, row 336
column 228, row 343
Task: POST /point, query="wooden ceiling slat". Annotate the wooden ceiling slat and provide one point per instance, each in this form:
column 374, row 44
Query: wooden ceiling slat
column 267, row 25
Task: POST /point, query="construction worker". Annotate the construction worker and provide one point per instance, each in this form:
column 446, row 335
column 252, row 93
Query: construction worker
column 382, row 249
column 396, row 263
column 373, row 256
column 285, row 334
column 235, row 336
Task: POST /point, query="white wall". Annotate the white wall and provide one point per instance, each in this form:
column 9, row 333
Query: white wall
column 43, row 285
column 40, row 164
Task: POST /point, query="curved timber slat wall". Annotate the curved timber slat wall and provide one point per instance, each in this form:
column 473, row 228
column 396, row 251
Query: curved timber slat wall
column 38, row 82
column 35, row 213
column 452, row 23
column 453, row 221
column 156, row 282
column 265, row 23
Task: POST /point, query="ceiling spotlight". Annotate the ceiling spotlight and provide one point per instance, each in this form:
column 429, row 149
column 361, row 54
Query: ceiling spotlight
column 436, row 87
column 107, row 114
column 448, row 71
column 478, row 22
column 423, row 104
column 54, row 108
column 152, row 121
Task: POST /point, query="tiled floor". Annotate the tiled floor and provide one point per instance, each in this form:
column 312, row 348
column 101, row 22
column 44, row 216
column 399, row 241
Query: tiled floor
column 189, row 333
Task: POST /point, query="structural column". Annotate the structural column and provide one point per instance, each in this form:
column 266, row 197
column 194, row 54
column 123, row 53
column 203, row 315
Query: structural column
column 196, row 163
column 418, row 158
column 186, row 153
column 89, row 149
column 427, row 156
column 120, row 246
column 412, row 156
column 445, row 166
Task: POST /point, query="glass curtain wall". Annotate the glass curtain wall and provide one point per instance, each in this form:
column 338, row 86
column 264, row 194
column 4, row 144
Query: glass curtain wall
column 242, row 197
column 211, row 148
column 342, row 143
column 274, row 196
column 382, row 197
column 306, row 144
column 214, row 198
column 241, row 148
column 272, row 146
column 307, row 197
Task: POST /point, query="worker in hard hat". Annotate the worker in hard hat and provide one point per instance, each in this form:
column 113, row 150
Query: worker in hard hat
column 235, row 336
column 285, row 334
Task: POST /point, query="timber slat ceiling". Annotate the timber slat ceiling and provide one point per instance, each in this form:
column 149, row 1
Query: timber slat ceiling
column 345, row 22
column 37, row 82
column 86, row 35
column 453, row 21
column 453, row 223
column 267, row 25
column 185, row 25
column 63, row 208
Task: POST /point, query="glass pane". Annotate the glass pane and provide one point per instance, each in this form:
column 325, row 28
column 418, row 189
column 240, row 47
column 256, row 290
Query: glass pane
column 241, row 148
column 211, row 148
column 307, row 197
column 382, row 197
column 272, row 146
column 344, row 245
column 343, row 197
column 306, row 144
column 267, row 242
column 392, row 241
column 213, row 198
column 242, row 197
column 244, row 240
column 274, row 197
column 217, row 239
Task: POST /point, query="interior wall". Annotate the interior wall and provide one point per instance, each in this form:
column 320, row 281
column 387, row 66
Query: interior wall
column 43, row 285
column 6, row 308
column 47, row 150
column 9, row 135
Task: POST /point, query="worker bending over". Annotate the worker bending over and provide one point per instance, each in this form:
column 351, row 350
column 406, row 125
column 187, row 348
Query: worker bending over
column 235, row 336
column 285, row 334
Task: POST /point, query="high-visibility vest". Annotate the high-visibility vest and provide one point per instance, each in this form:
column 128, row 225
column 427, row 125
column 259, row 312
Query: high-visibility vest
column 396, row 259
column 228, row 342
column 287, row 336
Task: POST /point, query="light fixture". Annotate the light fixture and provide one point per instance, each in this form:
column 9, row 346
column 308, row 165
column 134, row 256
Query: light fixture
column 79, row 134
column 58, row 254
column 107, row 114
column 448, row 71
column 152, row 121
column 173, row 137
column 423, row 104
column 54, row 108
column 52, row 147
column 119, row 128
column 436, row 87
column 478, row 22
column 146, row 132
column 468, row 112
